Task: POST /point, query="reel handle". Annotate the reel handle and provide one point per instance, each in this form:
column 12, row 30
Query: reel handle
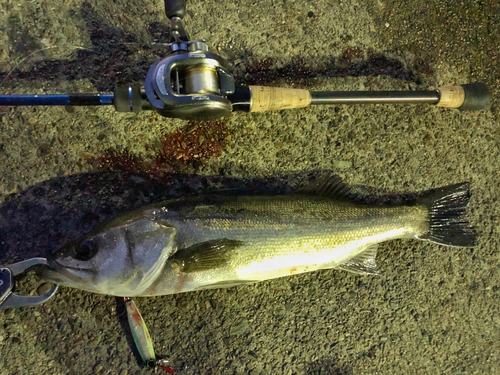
column 175, row 8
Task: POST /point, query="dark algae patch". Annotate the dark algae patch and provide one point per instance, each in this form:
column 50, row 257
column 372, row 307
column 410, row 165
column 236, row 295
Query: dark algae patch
column 189, row 147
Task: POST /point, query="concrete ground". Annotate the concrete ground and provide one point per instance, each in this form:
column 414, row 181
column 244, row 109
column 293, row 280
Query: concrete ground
column 433, row 309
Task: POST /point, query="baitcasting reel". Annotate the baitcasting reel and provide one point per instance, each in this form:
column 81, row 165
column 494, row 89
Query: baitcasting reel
column 194, row 84
column 190, row 83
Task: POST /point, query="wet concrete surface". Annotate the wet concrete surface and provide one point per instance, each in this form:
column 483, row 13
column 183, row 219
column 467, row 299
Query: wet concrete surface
column 65, row 170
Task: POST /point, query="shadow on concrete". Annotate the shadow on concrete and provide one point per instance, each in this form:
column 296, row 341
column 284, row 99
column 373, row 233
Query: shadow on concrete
column 39, row 220
column 114, row 60
column 44, row 217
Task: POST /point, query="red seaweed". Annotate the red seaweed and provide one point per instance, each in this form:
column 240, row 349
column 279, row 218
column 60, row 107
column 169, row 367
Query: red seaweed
column 197, row 142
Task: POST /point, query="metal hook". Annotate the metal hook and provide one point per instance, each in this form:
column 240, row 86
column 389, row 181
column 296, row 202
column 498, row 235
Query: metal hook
column 8, row 299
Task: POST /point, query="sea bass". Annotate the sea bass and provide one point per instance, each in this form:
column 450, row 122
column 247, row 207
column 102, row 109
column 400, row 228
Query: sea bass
column 217, row 241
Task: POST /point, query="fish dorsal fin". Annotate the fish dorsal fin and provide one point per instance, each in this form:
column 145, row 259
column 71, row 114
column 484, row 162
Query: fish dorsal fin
column 363, row 263
column 327, row 185
column 206, row 255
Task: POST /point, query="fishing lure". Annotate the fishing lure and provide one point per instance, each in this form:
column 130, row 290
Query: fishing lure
column 143, row 340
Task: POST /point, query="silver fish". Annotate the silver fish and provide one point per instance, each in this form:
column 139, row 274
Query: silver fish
column 220, row 241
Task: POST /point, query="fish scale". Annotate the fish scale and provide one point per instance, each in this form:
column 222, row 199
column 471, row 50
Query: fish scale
column 284, row 238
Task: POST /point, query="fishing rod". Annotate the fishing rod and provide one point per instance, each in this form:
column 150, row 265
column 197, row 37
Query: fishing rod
column 194, row 84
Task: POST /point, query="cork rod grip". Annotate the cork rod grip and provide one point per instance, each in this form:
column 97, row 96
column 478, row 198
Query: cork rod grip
column 451, row 96
column 275, row 98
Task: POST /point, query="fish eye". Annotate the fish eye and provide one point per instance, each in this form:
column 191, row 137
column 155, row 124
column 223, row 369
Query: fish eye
column 87, row 250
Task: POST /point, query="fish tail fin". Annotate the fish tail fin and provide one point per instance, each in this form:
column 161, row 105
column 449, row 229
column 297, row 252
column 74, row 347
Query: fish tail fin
column 447, row 223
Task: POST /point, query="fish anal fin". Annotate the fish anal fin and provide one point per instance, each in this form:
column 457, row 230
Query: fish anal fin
column 206, row 255
column 227, row 284
column 327, row 185
column 363, row 263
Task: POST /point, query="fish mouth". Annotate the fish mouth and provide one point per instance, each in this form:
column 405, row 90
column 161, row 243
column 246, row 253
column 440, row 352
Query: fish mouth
column 60, row 274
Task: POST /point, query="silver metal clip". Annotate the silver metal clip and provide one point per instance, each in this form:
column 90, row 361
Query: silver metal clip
column 8, row 299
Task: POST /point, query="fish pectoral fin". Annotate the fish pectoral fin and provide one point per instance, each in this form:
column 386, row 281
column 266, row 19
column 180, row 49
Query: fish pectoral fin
column 206, row 255
column 363, row 263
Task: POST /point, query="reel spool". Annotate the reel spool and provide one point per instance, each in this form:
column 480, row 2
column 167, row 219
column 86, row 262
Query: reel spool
column 202, row 79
